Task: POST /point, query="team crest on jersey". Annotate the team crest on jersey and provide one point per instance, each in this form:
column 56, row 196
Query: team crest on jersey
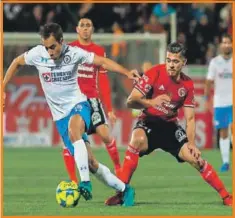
column 47, row 76
column 67, row 59
column 181, row 92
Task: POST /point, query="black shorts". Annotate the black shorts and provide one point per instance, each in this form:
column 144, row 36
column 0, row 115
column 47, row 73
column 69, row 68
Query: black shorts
column 169, row 136
column 97, row 115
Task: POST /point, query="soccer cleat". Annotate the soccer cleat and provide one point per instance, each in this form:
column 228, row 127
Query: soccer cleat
column 129, row 196
column 85, row 189
column 228, row 201
column 115, row 200
column 224, row 167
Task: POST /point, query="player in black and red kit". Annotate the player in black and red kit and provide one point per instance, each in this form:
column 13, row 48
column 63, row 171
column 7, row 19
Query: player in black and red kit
column 161, row 91
column 94, row 83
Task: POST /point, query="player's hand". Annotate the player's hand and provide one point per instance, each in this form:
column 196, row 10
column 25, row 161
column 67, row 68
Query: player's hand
column 194, row 151
column 112, row 117
column 134, row 74
column 159, row 100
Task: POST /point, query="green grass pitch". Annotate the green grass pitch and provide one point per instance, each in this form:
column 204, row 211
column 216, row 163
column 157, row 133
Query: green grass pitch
column 163, row 187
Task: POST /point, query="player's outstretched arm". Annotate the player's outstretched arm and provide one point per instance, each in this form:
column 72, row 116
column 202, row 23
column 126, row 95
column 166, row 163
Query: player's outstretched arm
column 111, row 65
column 137, row 100
column 11, row 71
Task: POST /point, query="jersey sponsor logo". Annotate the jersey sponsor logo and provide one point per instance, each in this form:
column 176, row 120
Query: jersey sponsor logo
column 67, row 59
column 57, row 76
column 96, row 118
column 161, row 87
column 180, row 135
column 162, row 109
column 82, row 75
column 225, row 75
column 85, row 68
column 182, row 92
column 44, row 60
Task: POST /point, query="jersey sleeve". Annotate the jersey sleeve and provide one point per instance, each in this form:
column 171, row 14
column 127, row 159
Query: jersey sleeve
column 32, row 55
column 101, row 69
column 189, row 100
column 211, row 70
column 146, row 82
column 83, row 57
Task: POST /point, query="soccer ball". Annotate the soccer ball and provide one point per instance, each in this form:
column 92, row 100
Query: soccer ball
column 67, row 194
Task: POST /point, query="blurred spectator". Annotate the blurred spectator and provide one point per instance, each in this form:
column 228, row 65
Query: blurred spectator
column 226, row 18
column 162, row 12
column 198, row 25
column 210, row 53
column 153, row 26
column 119, row 49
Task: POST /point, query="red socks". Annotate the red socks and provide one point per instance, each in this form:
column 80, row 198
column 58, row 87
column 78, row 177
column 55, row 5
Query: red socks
column 113, row 153
column 211, row 177
column 130, row 164
column 70, row 165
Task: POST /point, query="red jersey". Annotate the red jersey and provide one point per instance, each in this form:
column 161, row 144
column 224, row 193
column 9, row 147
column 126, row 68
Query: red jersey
column 88, row 73
column 155, row 82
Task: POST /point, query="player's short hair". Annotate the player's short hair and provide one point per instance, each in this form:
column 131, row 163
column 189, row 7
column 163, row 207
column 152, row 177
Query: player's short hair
column 227, row 36
column 176, row 48
column 52, row 29
column 85, row 18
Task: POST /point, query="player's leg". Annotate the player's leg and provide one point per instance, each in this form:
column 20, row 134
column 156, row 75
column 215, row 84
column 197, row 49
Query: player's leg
column 102, row 173
column 110, row 144
column 70, row 164
column 79, row 122
column 138, row 146
column 76, row 130
column 99, row 126
column 222, row 123
column 192, row 156
column 69, row 161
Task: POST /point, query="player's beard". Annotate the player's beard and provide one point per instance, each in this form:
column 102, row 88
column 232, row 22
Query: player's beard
column 227, row 52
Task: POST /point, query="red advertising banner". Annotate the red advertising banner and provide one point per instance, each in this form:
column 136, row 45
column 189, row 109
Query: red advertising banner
column 28, row 120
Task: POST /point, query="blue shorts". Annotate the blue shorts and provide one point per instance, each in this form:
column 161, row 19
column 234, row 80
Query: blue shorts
column 84, row 110
column 223, row 117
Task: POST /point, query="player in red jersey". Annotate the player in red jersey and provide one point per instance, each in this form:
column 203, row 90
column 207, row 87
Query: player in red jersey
column 161, row 91
column 94, row 83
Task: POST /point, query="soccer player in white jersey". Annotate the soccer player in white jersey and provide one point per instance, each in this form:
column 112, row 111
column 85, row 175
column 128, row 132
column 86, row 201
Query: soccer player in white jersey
column 220, row 72
column 57, row 65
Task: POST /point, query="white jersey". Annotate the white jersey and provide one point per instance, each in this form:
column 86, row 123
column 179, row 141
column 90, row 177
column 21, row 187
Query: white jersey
column 59, row 77
column 220, row 71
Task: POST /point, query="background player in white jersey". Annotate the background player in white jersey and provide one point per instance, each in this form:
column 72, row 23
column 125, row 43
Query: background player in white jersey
column 57, row 65
column 220, row 72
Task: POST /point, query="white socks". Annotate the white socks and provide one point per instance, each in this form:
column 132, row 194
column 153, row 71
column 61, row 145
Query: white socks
column 225, row 149
column 81, row 159
column 103, row 173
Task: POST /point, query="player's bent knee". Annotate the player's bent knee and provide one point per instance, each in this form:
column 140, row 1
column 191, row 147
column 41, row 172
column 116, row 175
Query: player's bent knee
column 138, row 142
column 186, row 156
column 76, row 128
column 139, row 139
